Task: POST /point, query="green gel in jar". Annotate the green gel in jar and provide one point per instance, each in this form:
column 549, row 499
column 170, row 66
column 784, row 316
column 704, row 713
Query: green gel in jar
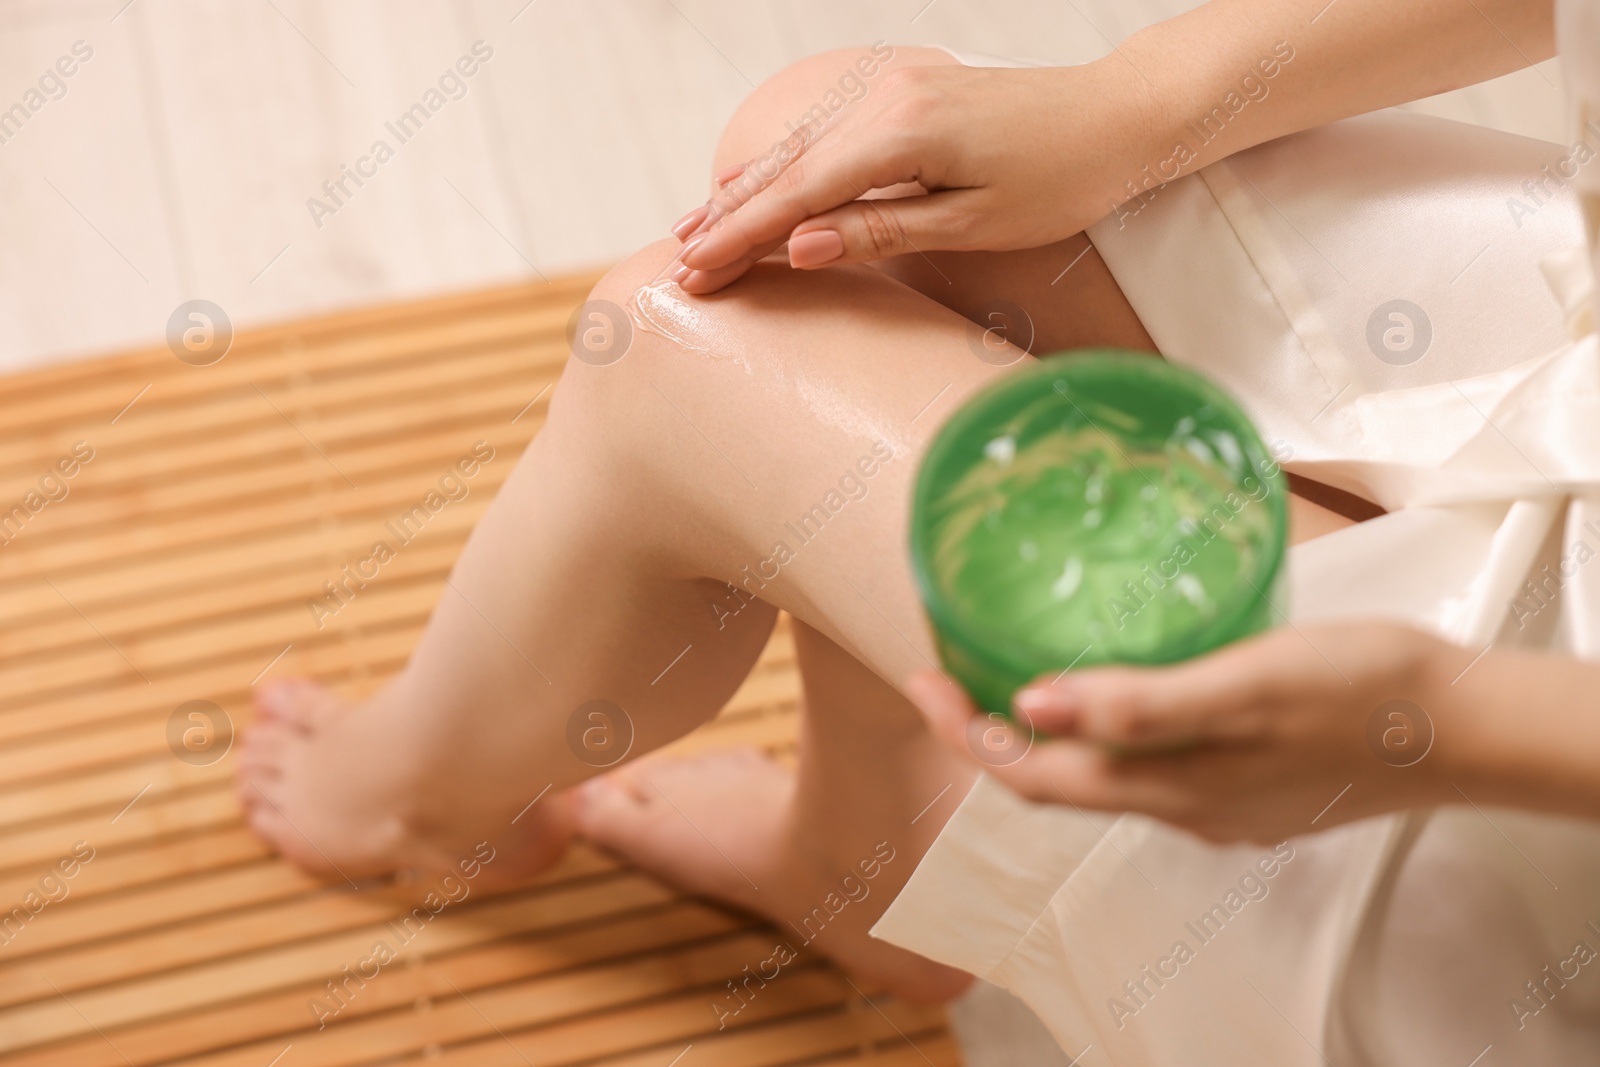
column 1098, row 507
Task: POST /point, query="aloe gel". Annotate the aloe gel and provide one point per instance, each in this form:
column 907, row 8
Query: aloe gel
column 1098, row 507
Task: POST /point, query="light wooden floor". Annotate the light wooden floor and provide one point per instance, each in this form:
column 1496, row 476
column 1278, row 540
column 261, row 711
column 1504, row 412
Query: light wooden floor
column 177, row 568
column 181, row 159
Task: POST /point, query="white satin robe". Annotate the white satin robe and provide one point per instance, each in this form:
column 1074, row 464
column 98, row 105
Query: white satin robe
column 1462, row 935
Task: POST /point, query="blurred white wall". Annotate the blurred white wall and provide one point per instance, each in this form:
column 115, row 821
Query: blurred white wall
column 177, row 161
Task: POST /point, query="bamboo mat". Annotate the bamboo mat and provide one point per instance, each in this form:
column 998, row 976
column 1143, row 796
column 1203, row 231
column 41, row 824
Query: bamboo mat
column 205, row 506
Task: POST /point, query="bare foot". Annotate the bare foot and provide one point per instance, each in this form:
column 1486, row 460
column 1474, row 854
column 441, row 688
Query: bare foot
column 722, row 825
column 325, row 784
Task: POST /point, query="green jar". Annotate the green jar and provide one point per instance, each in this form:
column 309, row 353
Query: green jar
column 1098, row 507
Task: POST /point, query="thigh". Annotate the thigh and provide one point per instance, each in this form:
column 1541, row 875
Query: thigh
column 762, row 441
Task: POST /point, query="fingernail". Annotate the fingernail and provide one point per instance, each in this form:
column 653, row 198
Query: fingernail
column 727, row 174
column 692, row 255
column 680, row 272
column 690, row 222
column 815, row 248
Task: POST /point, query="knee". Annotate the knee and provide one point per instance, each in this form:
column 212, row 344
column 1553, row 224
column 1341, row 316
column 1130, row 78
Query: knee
column 814, row 88
column 651, row 368
column 603, row 334
column 613, row 359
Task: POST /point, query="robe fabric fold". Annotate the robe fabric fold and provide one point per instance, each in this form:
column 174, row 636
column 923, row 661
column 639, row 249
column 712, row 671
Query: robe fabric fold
column 1407, row 311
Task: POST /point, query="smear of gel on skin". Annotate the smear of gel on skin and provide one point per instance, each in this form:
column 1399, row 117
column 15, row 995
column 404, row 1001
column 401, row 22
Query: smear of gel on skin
column 859, row 416
column 663, row 308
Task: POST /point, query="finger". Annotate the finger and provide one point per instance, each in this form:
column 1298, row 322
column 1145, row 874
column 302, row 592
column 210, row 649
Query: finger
column 1220, row 696
column 1086, row 776
column 697, row 220
column 736, row 185
column 869, row 230
column 689, row 225
column 701, row 282
column 761, row 207
column 727, row 174
column 1062, row 772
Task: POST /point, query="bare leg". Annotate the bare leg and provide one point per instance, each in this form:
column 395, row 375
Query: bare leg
column 658, row 480
column 870, row 782
column 780, row 461
column 821, row 850
column 771, row 450
column 869, row 779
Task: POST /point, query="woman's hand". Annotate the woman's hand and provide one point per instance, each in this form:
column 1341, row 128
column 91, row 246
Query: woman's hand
column 1020, row 158
column 1010, row 158
column 1287, row 733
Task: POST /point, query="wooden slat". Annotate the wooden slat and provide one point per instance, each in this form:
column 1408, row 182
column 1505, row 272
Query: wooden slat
column 32, row 782
column 178, row 567
column 225, row 684
column 266, row 1017
column 687, row 1020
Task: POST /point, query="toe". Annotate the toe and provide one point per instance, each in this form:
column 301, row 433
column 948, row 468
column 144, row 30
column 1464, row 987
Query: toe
column 267, row 736
column 280, row 700
column 254, row 769
column 634, row 779
column 262, row 750
column 255, row 789
column 607, row 808
column 269, row 823
column 266, row 823
column 296, row 702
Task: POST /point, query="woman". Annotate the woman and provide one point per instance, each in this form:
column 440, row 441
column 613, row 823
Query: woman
column 639, row 553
